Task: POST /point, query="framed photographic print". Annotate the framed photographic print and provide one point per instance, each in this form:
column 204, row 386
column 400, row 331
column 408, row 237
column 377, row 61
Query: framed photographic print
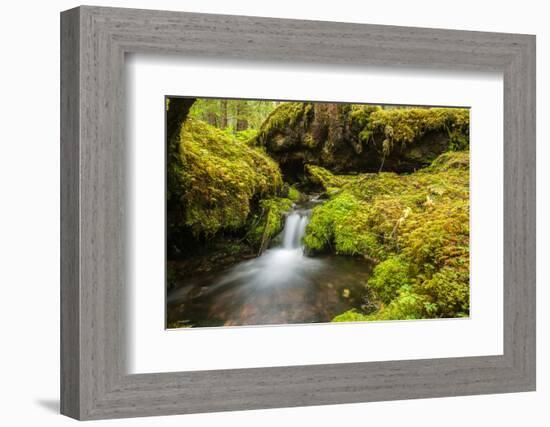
column 303, row 212
column 261, row 213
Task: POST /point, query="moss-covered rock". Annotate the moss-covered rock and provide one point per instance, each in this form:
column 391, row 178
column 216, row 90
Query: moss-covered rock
column 342, row 226
column 360, row 138
column 405, row 126
column 268, row 222
column 408, row 305
column 294, row 194
column 416, row 226
column 388, row 277
column 216, row 179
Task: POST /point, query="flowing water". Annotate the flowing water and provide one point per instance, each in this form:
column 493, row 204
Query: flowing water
column 279, row 287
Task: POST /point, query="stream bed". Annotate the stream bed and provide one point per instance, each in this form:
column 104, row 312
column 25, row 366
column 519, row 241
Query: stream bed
column 281, row 286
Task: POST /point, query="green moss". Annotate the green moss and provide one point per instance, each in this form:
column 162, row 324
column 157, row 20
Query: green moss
column 437, row 239
column 346, row 137
column 247, row 135
column 360, row 114
column 286, row 116
column 309, row 141
column 407, row 125
column 269, row 222
column 294, row 194
column 449, row 291
column 320, row 176
column 416, row 226
column 341, row 225
column 215, row 178
column 365, row 136
column 408, row 305
column 351, row 316
column 388, row 277
column 451, row 160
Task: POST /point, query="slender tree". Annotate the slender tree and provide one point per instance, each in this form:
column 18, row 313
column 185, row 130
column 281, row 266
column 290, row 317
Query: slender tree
column 242, row 113
column 223, row 120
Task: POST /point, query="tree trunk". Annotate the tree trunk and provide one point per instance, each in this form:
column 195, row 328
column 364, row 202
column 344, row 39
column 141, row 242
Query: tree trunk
column 177, row 110
column 211, row 118
column 176, row 113
column 223, row 104
column 242, row 122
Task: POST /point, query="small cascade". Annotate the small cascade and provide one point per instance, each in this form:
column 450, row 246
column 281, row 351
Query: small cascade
column 295, row 228
column 282, row 285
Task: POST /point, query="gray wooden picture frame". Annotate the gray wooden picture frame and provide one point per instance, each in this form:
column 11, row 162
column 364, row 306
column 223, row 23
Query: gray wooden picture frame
column 94, row 382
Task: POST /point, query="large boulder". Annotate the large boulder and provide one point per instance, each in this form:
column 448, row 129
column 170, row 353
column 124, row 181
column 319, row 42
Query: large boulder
column 347, row 138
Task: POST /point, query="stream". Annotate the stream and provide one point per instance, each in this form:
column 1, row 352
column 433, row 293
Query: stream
column 281, row 286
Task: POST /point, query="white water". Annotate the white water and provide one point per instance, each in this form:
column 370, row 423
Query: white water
column 280, row 265
column 280, row 286
column 295, row 228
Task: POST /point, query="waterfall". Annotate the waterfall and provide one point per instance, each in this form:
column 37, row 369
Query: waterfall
column 282, row 285
column 295, row 228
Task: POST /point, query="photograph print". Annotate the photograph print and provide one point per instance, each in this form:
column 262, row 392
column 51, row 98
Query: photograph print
column 286, row 212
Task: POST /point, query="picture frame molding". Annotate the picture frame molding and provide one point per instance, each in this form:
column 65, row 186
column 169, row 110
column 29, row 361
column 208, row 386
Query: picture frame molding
column 94, row 267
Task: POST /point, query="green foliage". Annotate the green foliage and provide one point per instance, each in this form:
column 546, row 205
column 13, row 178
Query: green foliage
column 269, row 222
column 246, row 135
column 407, row 125
column 216, row 178
column 360, row 114
column 408, row 305
column 348, row 137
column 309, row 141
column 388, row 277
column 236, row 116
column 438, row 239
column 294, row 194
column 416, row 226
column 351, row 316
column 286, row 116
column 342, row 224
column 207, row 110
column 451, row 160
column 321, row 176
column 449, row 290
column 404, row 126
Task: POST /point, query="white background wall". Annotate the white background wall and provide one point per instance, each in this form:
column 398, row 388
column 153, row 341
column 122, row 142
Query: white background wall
column 29, row 212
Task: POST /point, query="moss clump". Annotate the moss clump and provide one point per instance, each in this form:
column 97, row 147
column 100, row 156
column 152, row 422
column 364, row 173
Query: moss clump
column 269, row 222
column 360, row 114
column 215, row 178
column 351, row 316
column 346, row 138
column 388, row 277
column 341, row 225
column 449, row 290
column 320, row 176
column 247, row 135
column 416, row 226
column 451, row 160
column 406, row 125
column 407, row 305
column 294, row 194
column 286, row 116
